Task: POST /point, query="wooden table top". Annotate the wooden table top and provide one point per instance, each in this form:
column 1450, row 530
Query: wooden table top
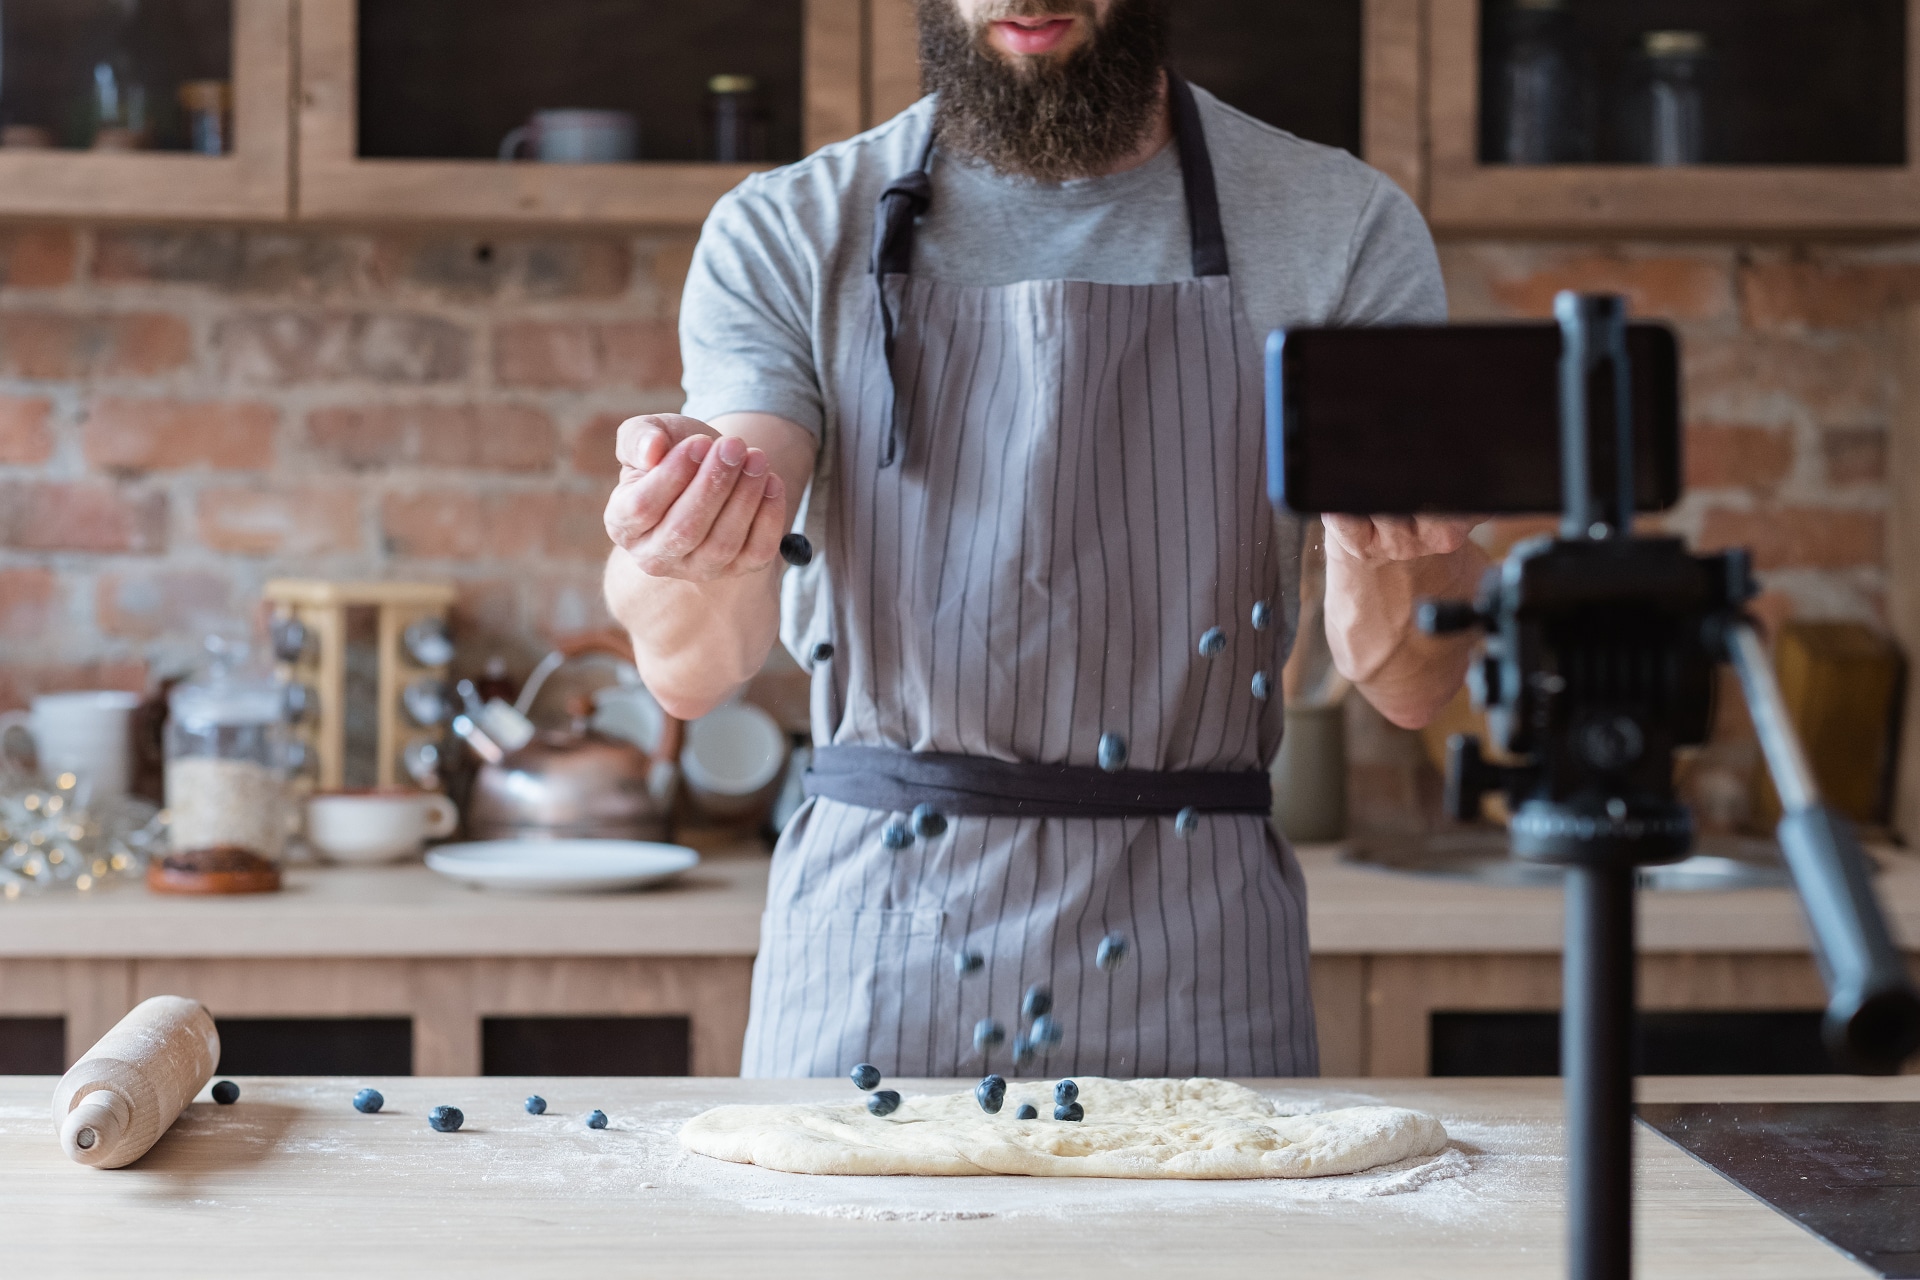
column 290, row 1181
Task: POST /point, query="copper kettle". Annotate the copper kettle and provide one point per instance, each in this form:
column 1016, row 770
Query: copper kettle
column 574, row 782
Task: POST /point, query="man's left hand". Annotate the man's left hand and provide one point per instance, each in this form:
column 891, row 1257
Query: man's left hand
column 1373, row 539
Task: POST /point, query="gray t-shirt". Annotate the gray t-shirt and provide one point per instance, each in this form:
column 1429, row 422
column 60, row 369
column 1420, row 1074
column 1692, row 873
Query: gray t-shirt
column 781, row 275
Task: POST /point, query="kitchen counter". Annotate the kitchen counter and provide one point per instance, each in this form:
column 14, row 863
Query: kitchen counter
column 290, row 1181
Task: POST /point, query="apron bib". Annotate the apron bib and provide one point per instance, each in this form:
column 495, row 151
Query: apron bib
column 1043, row 540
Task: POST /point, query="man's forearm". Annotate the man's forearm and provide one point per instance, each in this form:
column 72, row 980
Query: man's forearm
column 1408, row 676
column 695, row 643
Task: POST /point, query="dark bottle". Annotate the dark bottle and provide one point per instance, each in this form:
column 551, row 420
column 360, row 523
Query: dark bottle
column 1538, row 83
column 736, row 123
column 1666, row 106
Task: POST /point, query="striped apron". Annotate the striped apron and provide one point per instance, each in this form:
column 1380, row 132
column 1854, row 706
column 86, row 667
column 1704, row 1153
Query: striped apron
column 1043, row 542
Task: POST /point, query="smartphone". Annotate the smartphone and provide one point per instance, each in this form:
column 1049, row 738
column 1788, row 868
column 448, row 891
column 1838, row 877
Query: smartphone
column 1450, row 418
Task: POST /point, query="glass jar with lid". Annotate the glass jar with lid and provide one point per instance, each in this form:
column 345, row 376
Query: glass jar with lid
column 227, row 755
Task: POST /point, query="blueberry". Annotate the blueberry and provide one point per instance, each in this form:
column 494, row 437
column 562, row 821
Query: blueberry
column 865, row 1077
column 226, row 1093
column 991, row 1093
column 927, row 822
column 1262, row 685
column 966, row 962
column 1066, row 1093
column 1045, row 1032
column 1262, row 615
column 368, row 1100
column 1112, row 953
column 823, row 652
column 796, row 550
column 596, row 1119
column 1023, row 1051
column 1113, row 752
column 883, row 1103
column 446, row 1119
column 1213, row 643
column 895, row 835
column 1026, row 1112
column 1073, row 1111
column 1186, row 820
column 536, row 1105
column 1039, row 1000
column 988, row 1034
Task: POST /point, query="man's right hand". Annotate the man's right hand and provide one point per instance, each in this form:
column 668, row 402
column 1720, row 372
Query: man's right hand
column 693, row 504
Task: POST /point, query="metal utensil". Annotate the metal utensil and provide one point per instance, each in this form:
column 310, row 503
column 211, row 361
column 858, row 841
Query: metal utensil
column 427, row 643
column 426, row 703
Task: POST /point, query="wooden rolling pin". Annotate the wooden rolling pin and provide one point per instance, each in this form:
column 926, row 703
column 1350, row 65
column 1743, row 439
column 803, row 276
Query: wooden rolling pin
column 127, row 1090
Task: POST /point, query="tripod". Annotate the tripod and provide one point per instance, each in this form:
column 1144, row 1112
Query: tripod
column 1600, row 660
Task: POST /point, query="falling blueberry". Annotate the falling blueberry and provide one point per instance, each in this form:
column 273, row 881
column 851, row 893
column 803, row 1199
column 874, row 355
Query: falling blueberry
column 1113, row 752
column 883, row 1103
column 796, row 550
column 1045, row 1032
column 1039, row 1000
column 1213, row 643
column 1026, row 1112
column 368, row 1100
column 1073, row 1111
column 446, row 1119
column 966, row 962
column 895, row 835
column 596, row 1119
column 988, row 1034
column 1022, row 1051
column 823, row 652
column 991, row 1093
column 1066, row 1093
column 536, row 1105
column 1112, row 953
column 226, row 1093
column 1262, row 685
column 1186, row 820
column 927, row 822
column 865, row 1077
column 1262, row 615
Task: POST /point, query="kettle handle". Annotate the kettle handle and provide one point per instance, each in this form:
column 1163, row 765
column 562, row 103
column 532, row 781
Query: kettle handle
column 608, row 642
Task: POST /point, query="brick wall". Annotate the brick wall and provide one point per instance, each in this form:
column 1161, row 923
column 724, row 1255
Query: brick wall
column 186, row 413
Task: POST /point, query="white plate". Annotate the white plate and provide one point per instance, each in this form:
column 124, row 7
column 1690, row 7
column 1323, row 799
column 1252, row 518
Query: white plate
column 561, row 866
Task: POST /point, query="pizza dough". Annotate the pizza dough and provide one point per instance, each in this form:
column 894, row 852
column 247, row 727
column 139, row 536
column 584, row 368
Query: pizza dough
column 1133, row 1129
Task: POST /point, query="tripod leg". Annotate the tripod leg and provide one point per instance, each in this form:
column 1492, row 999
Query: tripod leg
column 1596, row 1064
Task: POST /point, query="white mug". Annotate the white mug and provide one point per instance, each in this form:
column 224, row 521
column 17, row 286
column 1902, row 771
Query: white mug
column 733, row 761
column 89, row 735
column 377, row 826
column 576, row 137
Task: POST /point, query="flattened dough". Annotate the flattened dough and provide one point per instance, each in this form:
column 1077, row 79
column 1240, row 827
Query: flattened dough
column 1134, row 1129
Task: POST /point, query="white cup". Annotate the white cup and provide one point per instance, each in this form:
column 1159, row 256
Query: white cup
column 576, row 137
column 86, row 734
column 733, row 760
column 377, row 826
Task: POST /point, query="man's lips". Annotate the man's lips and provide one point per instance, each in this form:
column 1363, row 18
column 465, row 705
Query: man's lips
column 1029, row 35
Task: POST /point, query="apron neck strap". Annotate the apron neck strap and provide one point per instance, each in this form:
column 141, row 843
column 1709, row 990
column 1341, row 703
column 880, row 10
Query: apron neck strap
column 1196, row 173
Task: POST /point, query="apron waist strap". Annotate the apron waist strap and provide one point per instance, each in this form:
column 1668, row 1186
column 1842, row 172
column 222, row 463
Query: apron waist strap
column 974, row 786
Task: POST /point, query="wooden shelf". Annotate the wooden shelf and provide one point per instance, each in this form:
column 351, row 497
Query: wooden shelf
column 249, row 184
column 1465, row 196
column 335, row 183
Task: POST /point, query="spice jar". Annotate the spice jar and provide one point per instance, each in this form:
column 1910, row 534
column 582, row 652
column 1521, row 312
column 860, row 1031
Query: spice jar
column 228, row 805
column 736, row 123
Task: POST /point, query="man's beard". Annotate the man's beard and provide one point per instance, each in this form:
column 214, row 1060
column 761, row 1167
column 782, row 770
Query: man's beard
column 1057, row 118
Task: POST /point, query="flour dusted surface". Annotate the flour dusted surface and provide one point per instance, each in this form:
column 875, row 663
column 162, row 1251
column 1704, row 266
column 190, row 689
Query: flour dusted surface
column 1180, row 1129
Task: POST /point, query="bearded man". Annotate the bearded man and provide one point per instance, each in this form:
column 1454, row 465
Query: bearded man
column 999, row 361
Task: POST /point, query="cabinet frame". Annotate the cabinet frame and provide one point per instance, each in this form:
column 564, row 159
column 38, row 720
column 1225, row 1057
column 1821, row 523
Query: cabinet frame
column 248, row 183
column 1465, row 196
column 334, row 183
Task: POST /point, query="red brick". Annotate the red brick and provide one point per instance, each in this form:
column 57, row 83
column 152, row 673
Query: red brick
column 593, row 446
column 255, row 260
column 1722, row 455
column 1799, row 537
column 86, row 516
column 279, row 348
column 144, row 606
column 1855, row 455
column 459, row 524
column 1806, row 295
column 309, row 520
column 37, row 258
column 482, row 437
column 49, row 345
column 25, row 438
column 485, row 267
column 1771, row 378
column 27, row 598
column 671, row 262
column 1676, row 288
column 166, row 435
column 582, row 354
column 21, row 683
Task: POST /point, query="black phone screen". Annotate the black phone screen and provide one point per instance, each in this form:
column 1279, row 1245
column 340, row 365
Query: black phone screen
column 1456, row 418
